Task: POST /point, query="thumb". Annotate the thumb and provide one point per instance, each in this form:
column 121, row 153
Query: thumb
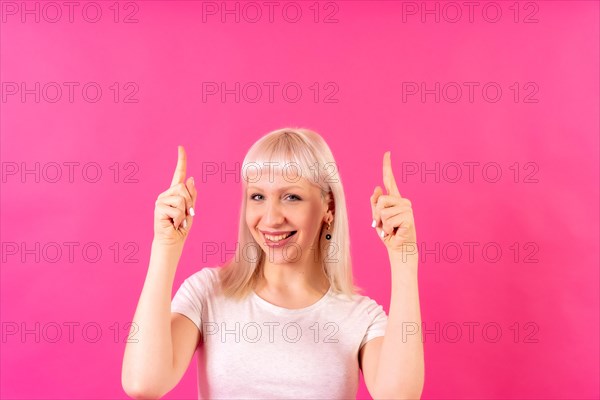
column 374, row 197
column 191, row 187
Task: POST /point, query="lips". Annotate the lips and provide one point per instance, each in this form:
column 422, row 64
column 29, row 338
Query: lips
column 275, row 233
column 275, row 237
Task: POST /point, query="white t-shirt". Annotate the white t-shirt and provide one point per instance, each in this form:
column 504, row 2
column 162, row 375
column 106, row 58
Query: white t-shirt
column 253, row 349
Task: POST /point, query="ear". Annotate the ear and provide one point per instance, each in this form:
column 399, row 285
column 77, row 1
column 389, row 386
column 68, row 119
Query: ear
column 330, row 201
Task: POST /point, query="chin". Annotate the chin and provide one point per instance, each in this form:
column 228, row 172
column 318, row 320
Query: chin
column 285, row 255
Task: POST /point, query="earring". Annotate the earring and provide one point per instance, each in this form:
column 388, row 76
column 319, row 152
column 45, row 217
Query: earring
column 328, row 236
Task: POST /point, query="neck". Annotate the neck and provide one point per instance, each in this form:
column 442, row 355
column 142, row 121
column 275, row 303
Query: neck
column 294, row 278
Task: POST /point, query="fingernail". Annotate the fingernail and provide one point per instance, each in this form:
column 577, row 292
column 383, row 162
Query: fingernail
column 382, row 234
column 192, row 212
column 374, row 224
column 192, row 179
column 184, row 224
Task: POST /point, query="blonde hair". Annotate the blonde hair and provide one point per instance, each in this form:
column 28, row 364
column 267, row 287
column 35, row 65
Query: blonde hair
column 307, row 151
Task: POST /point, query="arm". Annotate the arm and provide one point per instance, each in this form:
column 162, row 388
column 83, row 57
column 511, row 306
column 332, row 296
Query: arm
column 156, row 359
column 166, row 341
column 393, row 366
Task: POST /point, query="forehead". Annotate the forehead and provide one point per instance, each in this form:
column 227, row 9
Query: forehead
column 276, row 179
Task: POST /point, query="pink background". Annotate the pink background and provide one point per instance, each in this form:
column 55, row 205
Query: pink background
column 367, row 53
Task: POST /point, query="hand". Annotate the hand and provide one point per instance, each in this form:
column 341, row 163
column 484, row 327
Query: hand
column 175, row 207
column 393, row 215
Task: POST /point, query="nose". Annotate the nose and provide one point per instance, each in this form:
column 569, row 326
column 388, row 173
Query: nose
column 273, row 215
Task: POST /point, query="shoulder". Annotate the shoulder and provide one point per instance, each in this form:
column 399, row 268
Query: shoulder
column 207, row 277
column 209, row 273
column 359, row 303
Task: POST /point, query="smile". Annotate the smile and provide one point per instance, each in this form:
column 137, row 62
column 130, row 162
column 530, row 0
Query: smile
column 278, row 240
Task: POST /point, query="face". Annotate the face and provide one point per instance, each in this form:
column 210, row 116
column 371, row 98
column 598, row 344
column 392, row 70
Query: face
column 281, row 207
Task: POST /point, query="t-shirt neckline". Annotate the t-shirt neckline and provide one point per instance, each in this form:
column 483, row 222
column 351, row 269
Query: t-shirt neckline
column 283, row 310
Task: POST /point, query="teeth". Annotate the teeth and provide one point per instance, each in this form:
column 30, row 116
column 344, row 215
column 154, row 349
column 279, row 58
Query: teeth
column 277, row 238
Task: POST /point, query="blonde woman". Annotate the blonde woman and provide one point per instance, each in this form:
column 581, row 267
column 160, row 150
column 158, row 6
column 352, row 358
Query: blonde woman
column 283, row 318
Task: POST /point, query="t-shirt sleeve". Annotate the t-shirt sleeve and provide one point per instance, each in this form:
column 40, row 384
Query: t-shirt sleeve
column 189, row 299
column 378, row 322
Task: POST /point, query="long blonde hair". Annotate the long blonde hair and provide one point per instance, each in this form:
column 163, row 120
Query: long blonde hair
column 308, row 151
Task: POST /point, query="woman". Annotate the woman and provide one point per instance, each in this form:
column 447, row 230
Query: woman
column 283, row 318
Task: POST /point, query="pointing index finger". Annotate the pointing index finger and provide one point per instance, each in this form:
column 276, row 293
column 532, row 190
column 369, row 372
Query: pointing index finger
column 388, row 175
column 180, row 169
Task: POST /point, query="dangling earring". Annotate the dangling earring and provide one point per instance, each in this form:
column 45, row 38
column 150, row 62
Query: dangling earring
column 328, row 236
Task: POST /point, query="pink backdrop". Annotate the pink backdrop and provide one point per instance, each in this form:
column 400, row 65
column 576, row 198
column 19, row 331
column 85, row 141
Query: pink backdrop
column 491, row 114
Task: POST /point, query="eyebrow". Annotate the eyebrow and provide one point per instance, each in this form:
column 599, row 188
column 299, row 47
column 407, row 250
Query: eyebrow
column 282, row 189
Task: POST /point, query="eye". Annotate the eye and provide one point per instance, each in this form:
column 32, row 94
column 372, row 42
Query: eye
column 292, row 196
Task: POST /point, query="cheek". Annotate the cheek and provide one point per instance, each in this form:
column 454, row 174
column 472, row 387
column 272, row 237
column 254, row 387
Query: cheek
column 309, row 225
column 251, row 219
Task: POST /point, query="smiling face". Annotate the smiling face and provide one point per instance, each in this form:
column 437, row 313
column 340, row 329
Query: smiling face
column 281, row 207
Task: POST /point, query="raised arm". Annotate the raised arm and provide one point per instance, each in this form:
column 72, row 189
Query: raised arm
column 394, row 366
column 160, row 351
